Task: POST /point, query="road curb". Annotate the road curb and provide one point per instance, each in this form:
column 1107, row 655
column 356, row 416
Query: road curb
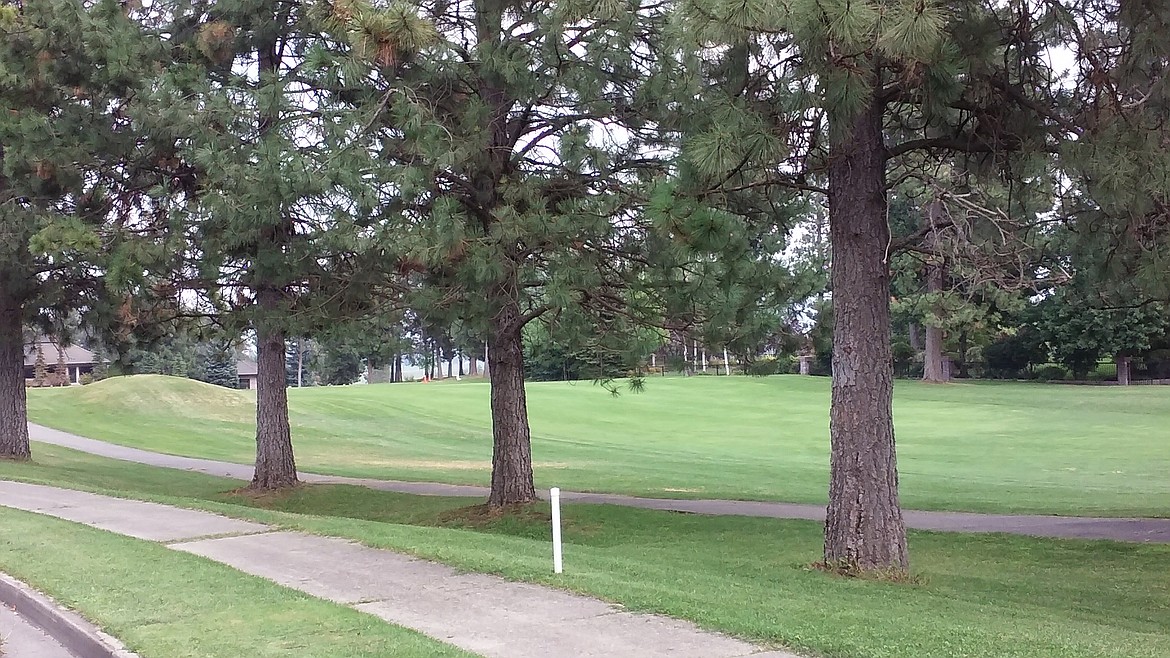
column 77, row 635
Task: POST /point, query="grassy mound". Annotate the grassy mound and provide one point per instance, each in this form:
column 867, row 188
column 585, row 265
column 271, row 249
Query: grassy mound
column 158, row 394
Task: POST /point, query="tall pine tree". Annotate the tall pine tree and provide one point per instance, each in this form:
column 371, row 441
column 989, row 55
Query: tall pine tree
column 529, row 184
column 272, row 221
column 863, row 94
column 68, row 74
column 511, row 202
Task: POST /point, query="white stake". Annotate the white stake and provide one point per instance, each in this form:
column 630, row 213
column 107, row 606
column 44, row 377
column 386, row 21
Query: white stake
column 555, row 498
column 726, row 363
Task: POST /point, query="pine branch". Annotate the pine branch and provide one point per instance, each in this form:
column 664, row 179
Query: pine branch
column 1041, row 110
column 961, row 143
column 911, row 240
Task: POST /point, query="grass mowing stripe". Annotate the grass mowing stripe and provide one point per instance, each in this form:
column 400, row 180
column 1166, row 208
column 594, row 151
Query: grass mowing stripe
column 984, row 447
column 981, row 597
column 166, row 604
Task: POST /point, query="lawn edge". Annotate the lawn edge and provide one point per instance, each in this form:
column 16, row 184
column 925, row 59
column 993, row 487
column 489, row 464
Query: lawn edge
column 78, row 635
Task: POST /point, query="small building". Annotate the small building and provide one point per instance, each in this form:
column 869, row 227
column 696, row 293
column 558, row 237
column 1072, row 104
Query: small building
column 248, row 372
column 78, row 360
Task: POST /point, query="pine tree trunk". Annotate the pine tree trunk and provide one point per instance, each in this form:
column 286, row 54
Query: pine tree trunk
column 473, row 366
column 13, row 412
column 511, row 439
column 864, row 529
column 933, row 369
column 932, row 357
column 450, row 366
column 962, row 357
column 915, row 342
column 275, row 466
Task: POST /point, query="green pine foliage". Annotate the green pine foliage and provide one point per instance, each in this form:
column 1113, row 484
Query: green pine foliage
column 1119, row 211
column 70, row 168
column 60, row 374
column 281, row 192
column 513, row 186
column 40, row 369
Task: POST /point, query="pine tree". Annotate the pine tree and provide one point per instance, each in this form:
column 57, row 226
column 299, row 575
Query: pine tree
column 275, row 216
column 517, row 200
column 40, row 369
column 66, row 68
column 862, row 94
column 219, row 366
column 60, row 375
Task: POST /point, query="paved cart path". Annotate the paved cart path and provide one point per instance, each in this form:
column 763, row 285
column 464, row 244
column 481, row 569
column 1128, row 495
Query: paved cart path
column 484, row 614
column 1120, row 529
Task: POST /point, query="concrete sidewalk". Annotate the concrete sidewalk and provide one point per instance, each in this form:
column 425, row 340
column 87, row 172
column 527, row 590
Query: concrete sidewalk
column 483, row 614
column 1070, row 527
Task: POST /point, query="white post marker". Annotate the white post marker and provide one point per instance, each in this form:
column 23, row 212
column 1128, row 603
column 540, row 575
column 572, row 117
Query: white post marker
column 555, row 498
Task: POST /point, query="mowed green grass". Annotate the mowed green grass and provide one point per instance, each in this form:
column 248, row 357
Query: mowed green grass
column 1012, row 447
column 166, row 604
column 977, row 596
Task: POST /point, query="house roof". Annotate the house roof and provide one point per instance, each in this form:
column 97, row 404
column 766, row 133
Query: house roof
column 246, row 368
column 75, row 355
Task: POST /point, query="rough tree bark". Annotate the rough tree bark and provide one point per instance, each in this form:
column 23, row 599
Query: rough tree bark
column 933, row 369
column 276, row 467
column 864, row 529
column 511, row 438
column 13, row 412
